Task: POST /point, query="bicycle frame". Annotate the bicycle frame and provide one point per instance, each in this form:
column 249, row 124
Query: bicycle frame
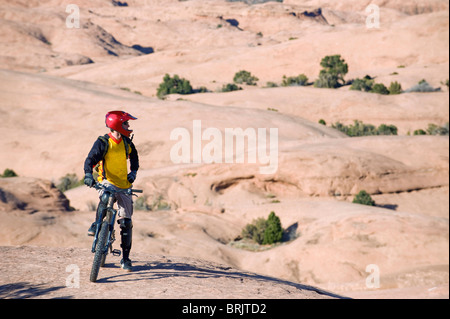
column 105, row 237
column 110, row 216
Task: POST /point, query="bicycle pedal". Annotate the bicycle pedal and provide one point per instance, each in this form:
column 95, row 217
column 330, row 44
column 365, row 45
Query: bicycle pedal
column 116, row 252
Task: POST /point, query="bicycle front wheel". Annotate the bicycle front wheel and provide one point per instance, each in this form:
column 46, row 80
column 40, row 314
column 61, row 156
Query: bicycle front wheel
column 100, row 251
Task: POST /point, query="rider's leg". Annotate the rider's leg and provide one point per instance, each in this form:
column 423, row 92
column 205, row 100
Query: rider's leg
column 126, row 234
column 125, row 212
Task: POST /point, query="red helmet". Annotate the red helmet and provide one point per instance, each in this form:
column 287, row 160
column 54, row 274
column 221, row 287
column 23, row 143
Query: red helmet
column 115, row 119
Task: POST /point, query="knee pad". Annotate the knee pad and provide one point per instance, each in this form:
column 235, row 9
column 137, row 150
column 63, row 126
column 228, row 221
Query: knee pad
column 126, row 234
column 104, row 198
column 125, row 224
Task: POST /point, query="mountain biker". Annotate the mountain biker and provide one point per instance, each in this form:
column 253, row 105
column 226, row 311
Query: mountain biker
column 110, row 152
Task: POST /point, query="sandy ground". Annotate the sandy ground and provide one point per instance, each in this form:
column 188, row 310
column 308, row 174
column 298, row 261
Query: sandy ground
column 154, row 277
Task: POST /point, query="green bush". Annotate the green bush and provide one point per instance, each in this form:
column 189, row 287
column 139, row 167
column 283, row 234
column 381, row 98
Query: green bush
column 271, row 85
column 202, row 89
column 255, row 230
column 395, row 88
column 264, row 232
column 420, row 132
column 384, row 129
column 159, row 203
column 274, row 231
column 361, row 129
column 365, row 84
column 363, row 198
column 295, row 80
column 8, row 173
column 379, row 88
column 141, row 203
column 434, row 129
column 327, row 81
column 173, row 85
column 230, row 87
column 333, row 72
column 69, row 181
column 358, row 129
column 245, row 77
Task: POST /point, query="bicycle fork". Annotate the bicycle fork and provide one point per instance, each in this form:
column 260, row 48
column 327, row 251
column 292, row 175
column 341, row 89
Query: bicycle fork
column 111, row 232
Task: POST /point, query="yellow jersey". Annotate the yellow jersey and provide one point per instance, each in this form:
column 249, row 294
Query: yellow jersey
column 114, row 165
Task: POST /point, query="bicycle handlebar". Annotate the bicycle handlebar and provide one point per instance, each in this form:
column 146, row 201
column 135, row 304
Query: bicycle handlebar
column 130, row 191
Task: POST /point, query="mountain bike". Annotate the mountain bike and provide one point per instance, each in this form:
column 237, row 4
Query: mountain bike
column 104, row 233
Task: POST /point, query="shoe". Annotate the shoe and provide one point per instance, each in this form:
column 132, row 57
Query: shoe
column 126, row 264
column 92, row 229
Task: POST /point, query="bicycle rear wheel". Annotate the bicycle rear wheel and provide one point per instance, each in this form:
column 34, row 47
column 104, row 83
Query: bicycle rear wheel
column 100, row 252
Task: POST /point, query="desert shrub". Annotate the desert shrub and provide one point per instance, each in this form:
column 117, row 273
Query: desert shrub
column 322, row 121
column 379, row 88
column 159, row 203
column 395, row 88
column 327, row 81
column 363, row 198
column 361, row 129
column 69, row 181
column 384, row 129
column 172, row 85
column 250, row 230
column 141, row 204
column 8, row 173
column 333, row 72
column 365, row 84
column 274, row 231
column 264, row 231
column 245, row 77
column 434, row 129
column 255, row 230
column 202, row 89
column 271, row 85
column 420, row 132
column 295, row 80
column 422, row 86
column 358, row 129
column 230, row 87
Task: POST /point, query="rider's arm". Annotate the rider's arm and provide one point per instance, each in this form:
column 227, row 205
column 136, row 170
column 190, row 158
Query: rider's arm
column 134, row 158
column 95, row 155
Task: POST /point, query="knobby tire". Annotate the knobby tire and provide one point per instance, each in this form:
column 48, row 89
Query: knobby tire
column 100, row 254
